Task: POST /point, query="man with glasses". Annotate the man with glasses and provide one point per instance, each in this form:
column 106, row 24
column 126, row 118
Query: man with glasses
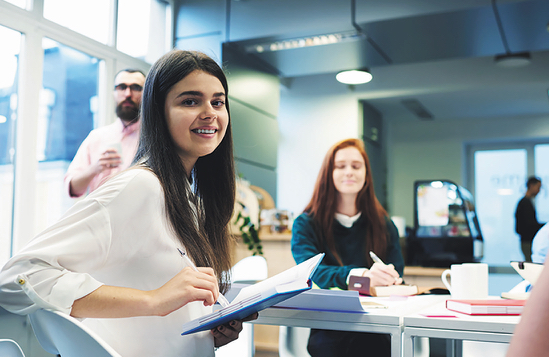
column 110, row 149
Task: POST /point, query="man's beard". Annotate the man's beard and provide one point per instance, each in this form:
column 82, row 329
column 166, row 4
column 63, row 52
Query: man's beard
column 126, row 113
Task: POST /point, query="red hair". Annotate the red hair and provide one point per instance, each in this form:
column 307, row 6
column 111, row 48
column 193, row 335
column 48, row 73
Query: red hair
column 323, row 204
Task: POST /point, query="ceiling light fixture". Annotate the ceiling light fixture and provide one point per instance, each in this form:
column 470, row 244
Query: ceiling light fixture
column 508, row 59
column 513, row 59
column 354, row 76
column 309, row 41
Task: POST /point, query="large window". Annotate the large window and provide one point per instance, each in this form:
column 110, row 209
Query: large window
column 541, row 155
column 55, row 86
column 142, row 28
column 20, row 3
column 10, row 43
column 66, row 116
column 500, row 175
column 499, row 178
column 90, row 18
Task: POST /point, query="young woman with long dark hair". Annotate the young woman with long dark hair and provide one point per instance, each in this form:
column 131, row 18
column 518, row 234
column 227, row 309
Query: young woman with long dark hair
column 345, row 220
column 114, row 257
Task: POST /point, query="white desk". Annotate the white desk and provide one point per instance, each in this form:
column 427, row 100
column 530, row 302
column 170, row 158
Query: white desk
column 388, row 321
column 462, row 327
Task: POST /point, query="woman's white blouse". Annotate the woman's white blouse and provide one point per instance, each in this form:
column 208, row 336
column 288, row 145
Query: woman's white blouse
column 120, row 236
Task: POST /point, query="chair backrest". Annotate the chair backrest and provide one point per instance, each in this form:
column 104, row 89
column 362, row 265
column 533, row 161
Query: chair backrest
column 59, row 333
column 10, row 348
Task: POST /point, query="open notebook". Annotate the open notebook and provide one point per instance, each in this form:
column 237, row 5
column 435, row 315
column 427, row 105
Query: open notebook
column 254, row 298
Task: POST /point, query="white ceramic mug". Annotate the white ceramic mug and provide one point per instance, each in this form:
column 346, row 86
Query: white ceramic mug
column 468, row 280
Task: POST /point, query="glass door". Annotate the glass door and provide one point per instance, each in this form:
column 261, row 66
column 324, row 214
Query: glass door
column 541, row 152
column 499, row 179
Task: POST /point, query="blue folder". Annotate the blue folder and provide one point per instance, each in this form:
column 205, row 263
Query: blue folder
column 260, row 296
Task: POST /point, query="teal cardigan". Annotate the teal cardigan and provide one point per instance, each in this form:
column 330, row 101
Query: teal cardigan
column 350, row 245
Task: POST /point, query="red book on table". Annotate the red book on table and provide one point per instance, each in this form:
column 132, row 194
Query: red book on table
column 486, row 307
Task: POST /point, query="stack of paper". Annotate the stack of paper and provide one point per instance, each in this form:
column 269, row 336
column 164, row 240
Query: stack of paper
column 324, row 300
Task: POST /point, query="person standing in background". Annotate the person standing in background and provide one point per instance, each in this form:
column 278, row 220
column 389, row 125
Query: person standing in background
column 345, row 220
column 109, row 150
column 526, row 222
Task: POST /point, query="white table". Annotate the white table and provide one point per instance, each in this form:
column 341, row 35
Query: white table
column 461, row 327
column 387, row 321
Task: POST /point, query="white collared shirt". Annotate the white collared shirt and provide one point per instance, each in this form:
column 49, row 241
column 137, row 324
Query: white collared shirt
column 119, row 235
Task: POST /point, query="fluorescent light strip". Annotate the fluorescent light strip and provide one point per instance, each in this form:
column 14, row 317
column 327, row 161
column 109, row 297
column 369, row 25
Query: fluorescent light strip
column 301, row 42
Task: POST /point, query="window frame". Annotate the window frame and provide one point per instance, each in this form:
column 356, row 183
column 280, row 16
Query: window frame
column 34, row 27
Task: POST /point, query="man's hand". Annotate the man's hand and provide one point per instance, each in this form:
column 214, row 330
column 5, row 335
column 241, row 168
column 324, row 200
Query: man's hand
column 79, row 183
column 109, row 158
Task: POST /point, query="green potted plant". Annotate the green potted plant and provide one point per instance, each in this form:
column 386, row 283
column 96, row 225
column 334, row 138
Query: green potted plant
column 248, row 232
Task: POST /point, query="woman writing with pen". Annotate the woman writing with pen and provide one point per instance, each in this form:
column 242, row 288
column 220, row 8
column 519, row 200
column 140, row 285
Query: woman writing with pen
column 113, row 258
column 345, row 220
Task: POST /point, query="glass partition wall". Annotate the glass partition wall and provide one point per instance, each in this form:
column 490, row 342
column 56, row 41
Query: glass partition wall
column 10, row 42
column 58, row 66
column 498, row 178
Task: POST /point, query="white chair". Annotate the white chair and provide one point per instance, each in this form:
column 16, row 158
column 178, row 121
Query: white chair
column 292, row 341
column 10, row 348
column 59, row 333
column 248, row 270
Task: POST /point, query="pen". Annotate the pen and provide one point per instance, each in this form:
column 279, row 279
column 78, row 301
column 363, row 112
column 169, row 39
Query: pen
column 222, row 300
column 377, row 259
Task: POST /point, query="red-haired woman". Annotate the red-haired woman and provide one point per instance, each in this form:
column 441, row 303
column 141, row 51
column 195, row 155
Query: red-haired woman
column 345, row 220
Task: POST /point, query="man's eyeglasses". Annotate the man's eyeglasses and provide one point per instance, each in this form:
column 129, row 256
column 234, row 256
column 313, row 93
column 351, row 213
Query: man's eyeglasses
column 133, row 87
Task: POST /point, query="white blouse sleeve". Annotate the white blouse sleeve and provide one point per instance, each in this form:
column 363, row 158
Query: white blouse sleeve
column 49, row 271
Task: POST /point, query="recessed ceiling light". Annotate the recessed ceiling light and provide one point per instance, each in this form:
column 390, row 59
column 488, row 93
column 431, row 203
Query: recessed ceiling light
column 513, row 59
column 317, row 40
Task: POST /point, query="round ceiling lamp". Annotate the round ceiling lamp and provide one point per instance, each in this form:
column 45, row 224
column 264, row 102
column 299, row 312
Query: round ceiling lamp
column 355, row 76
column 513, row 59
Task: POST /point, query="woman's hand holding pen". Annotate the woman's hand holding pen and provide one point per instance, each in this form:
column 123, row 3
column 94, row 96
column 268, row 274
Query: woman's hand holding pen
column 187, row 286
column 381, row 274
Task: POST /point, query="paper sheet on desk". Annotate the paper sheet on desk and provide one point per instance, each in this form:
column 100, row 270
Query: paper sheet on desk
column 366, row 304
column 382, row 302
